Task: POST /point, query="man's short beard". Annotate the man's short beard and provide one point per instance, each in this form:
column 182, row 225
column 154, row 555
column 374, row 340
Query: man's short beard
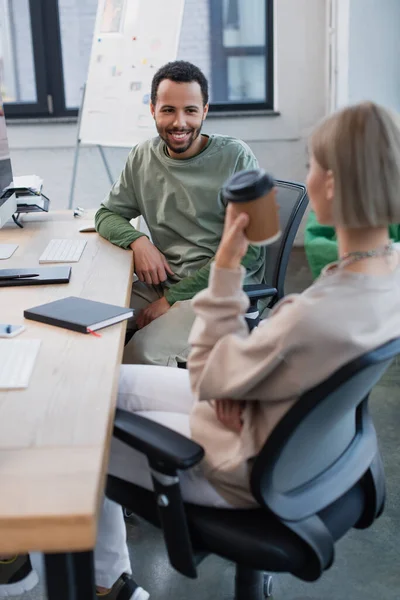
column 183, row 149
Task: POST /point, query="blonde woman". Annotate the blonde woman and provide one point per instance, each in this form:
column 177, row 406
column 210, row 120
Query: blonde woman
column 353, row 185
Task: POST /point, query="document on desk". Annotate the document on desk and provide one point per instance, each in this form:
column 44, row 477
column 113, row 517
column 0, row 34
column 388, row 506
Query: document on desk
column 7, row 250
column 28, row 182
column 17, row 359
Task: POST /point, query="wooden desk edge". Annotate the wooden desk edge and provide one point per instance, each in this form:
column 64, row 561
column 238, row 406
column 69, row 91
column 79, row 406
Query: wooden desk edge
column 70, row 535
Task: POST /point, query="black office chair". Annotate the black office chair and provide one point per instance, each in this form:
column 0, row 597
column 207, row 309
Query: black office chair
column 318, row 475
column 292, row 200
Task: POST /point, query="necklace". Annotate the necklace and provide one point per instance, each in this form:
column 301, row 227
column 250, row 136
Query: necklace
column 352, row 257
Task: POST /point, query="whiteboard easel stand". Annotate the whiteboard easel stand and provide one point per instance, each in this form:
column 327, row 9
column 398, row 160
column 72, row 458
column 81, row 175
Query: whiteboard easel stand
column 76, row 157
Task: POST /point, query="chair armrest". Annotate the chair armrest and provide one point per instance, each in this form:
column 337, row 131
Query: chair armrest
column 259, row 290
column 163, row 447
column 167, row 452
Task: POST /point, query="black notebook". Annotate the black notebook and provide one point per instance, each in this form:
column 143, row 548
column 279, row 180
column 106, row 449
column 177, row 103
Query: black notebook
column 78, row 314
column 46, row 275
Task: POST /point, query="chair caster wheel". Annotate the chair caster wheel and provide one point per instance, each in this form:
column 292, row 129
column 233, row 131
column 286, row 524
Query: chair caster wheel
column 267, row 585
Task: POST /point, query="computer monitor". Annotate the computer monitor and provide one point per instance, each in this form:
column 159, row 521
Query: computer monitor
column 8, row 199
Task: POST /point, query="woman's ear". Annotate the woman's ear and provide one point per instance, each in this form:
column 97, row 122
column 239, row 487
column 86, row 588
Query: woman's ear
column 330, row 186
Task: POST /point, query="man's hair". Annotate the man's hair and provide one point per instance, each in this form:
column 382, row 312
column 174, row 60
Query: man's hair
column 179, row 71
column 361, row 146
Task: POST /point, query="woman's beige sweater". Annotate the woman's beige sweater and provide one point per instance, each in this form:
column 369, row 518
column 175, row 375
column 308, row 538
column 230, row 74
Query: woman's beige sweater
column 305, row 339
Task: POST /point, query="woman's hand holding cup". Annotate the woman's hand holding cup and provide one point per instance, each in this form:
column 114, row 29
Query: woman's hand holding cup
column 251, row 216
column 234, row 244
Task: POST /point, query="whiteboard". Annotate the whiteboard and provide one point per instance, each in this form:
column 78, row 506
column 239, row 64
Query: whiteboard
column 132, row 39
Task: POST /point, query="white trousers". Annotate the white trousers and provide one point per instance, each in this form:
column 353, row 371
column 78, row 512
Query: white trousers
column 163, row 395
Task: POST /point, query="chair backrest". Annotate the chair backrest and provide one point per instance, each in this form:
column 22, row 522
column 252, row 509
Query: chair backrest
column 292, row 199
column 323, row 447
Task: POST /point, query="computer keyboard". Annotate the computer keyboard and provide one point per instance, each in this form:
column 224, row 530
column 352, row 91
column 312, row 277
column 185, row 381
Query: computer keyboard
column 59, row 250
column 17, row 359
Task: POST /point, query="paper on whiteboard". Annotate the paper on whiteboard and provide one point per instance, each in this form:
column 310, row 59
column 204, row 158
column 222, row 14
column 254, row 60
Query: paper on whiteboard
column 132, row 39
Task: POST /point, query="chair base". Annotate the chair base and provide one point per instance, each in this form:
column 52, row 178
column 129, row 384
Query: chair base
column 251, row 584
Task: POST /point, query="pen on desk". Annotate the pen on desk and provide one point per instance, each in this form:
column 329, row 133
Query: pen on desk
column 21, row 276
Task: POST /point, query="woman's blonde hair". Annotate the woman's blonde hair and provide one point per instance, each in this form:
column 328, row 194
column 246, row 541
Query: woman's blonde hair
column 361, row 146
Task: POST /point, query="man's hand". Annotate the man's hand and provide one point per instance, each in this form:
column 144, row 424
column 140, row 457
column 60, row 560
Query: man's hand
column 229, row 413
column 150, row 265
column 151, row 312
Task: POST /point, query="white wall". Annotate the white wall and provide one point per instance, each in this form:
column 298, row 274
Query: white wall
column 374, row 52
column 368, row 52
column 341, row 47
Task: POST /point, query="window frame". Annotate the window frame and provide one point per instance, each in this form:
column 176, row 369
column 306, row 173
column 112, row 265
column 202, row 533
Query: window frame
column 219, row 61
column 49, row 68
column 18, row 109
column 48, row 64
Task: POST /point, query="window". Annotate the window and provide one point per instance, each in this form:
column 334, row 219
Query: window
column 44, row 55
column 241, row 54
column 45, row 50
column 21, row 57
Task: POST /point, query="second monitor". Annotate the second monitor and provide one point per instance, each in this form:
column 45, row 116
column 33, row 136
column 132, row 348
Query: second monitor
column 8, row 199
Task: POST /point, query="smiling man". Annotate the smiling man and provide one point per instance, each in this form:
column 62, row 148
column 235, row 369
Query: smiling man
column 174, row 182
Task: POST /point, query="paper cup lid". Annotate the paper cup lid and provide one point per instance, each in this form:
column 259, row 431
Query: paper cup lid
column 247, row 185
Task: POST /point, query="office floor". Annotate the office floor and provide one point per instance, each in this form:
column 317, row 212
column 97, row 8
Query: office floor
column 366, row 566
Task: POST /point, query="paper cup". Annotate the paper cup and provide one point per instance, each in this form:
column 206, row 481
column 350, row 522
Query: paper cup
column 253, row 192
